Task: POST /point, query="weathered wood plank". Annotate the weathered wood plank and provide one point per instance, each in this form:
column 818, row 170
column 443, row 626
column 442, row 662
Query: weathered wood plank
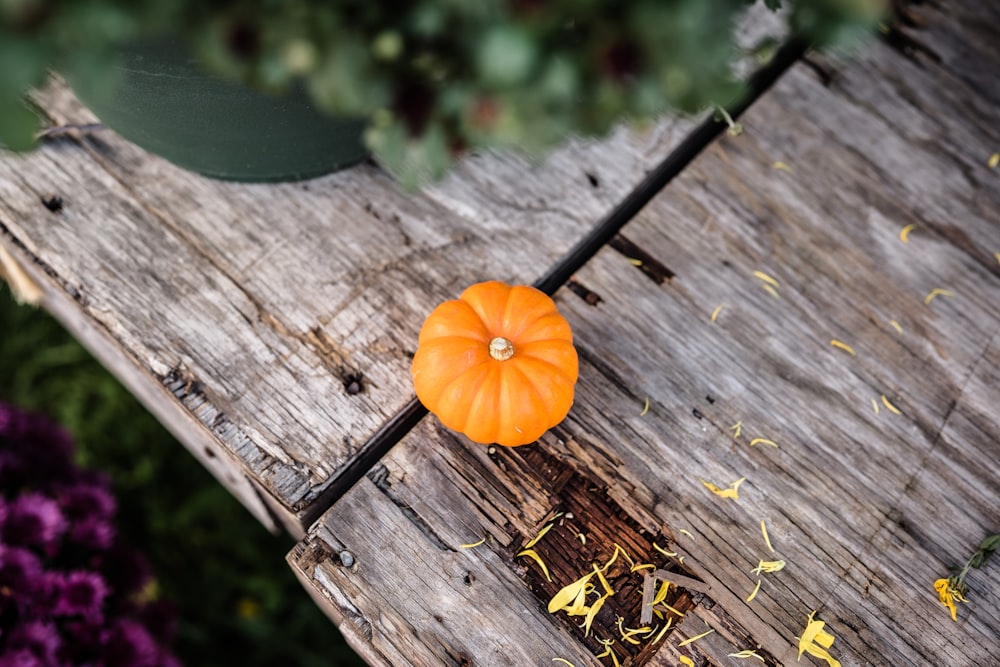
column 258, row 305
column 866, row 508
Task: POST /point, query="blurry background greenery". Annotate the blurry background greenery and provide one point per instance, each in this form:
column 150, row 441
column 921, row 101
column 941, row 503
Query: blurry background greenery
column 238, row 603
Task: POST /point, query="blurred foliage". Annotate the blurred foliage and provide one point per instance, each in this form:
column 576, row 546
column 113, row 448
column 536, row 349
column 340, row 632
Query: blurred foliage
column 237, row 600
column 434, row 76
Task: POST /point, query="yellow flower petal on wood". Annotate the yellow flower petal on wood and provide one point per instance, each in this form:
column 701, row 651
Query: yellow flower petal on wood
column 947, row 596
column 763, row 441
column 770, row 280
column 686, row 661
column 753, row 594
column 904, row 233
column 747, row 654
column 936, row 292
column 689, row 640
column 563, row 661
column 782, row 167
column 472, row 545
column 730, row 492
column 815, row 640
column 769, row 566
column 568, row 593
column 537, row 537
column 767, row 539
column 715, row 313
column 993, row 161
column 530, row 553
column 892, row 408
column 843, row 346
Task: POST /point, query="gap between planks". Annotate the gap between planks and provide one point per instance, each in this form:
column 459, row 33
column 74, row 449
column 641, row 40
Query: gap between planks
column 400, row 424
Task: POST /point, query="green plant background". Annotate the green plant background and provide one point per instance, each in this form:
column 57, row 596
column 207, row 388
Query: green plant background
column 238, row 602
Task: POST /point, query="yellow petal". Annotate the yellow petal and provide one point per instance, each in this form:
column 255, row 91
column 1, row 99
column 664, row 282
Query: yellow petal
column 843, row 346
column 530, row 553
column 563, row 661
column 686, row 661
column 695, row 638
column 568, row 593
column 718, row 309
column 730, row 492
column 904, row 233
column 767, row 540
column 756, row 589
column 537, row 537
column 766, row 278
column 472, row 545
column 936, row 292
column 763, row 441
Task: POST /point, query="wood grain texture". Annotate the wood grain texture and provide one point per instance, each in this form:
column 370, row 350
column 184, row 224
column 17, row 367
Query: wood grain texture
column 257, row 306
column 866, row 508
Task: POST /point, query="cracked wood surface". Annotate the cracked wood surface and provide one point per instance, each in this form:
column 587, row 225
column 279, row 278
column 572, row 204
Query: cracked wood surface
column 242, row 314
column 867, row 507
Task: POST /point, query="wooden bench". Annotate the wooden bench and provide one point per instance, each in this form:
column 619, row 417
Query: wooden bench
column 271, row 328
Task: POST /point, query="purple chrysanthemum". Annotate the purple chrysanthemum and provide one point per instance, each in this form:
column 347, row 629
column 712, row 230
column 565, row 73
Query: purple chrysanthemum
column 20, row 657
column 67, row 584
column 41, row 638
column 82, row 594
column 34, row 520
column 128, row 644
column 33, row 448
column 20, row 574
column 81, row 502
column 94, row 533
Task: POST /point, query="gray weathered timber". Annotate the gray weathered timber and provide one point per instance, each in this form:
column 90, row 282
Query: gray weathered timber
column 865, row 506
column 256, row 306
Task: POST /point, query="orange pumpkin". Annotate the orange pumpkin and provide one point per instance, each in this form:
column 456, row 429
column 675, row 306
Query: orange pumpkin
column 497, row 364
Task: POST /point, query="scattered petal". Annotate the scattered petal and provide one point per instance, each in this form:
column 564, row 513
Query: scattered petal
column 892, row 408
column 736, row 428
column 634, row 262
column 539, row 536
column 766, row 278
column 747, row 654
column 773, row 292
column 993, row 161
column 563, row 661
column 583, row 539
column 936, row 292
column 763, row 441
column 472, row 545
column 753, row 594
column 695, row 638
column 767, row 540
column 645, row 408
column 530, row 553
column 843, row 346
column 769, row 566
column 718, row 309
column 815, row 640
column 782, row 166
column 666, row 627
column 685, row 531
column 731, row 492
column 686, row 661
column 897, row 327
column 904, row 233
column 668, row 554
column 569, row 593
column 875, row 406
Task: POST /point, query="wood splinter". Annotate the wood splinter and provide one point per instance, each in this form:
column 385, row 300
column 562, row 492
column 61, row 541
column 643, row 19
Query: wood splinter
column 678, row 580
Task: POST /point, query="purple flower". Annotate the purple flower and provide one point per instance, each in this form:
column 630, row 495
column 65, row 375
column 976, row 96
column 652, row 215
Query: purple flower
column 128, row 644
column 82, row 594
column 34, row 520
column 40, row 638
column 86, row 501
column 93, row 533
column 20, row 574
column 21, row 657
column 33, row 448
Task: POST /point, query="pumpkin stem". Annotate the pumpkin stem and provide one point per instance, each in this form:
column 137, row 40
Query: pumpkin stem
column 501, row 349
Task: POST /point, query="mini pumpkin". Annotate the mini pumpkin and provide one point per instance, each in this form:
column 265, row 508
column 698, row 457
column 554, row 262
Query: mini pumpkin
column 497, row 364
